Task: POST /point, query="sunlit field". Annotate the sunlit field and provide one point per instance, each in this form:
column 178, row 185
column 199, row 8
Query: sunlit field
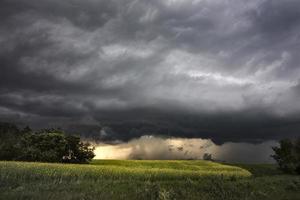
column 115, row 179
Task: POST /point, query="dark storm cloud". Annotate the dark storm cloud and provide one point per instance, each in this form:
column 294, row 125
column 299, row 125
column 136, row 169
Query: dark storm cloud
column 228, row 70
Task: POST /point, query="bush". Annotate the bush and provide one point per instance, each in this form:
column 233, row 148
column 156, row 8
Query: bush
column 48, row 145
column 287, row 155
column 55, row 147
column 44, row 147
column 9, row 135
column 207, row 156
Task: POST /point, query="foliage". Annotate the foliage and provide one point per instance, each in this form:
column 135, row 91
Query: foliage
column 47, row 145
column 9, row 134
column 55, row 147
column 44, row 147
column 287, row 155
column 78, row 151
column 207, row 156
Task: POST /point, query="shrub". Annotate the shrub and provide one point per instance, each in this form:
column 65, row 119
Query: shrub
column 55, row 147
column 48, row 145
column 287, row 155
column 207, row 156
column 9, row 135
column 44, row 147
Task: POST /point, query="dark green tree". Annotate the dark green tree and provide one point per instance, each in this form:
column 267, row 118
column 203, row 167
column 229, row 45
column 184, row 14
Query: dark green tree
column 78, row 151
column 297, row 151
column 287, row 155
column 55, row 147
column 46, row 145
column 207, row 156
column 9, row 137
column 43, row 147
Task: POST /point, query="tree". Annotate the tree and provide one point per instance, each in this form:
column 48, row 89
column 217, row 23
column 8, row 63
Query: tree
column 78, row 151
column 287, row 155
column 55, row 147
column 43, row 147
column 9, row 137
column 297, row 151
column 46, row 145
column 207, row 156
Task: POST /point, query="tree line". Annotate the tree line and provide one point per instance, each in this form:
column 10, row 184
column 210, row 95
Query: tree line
column 46, row 145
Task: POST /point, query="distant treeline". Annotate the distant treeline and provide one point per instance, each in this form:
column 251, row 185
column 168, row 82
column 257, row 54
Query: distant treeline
column 46, row 145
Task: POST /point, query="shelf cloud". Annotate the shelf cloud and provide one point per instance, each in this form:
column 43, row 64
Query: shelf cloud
column 158, row 148
column 227, row 70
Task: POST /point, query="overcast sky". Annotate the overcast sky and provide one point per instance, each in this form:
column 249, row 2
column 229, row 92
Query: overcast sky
column 221, row 69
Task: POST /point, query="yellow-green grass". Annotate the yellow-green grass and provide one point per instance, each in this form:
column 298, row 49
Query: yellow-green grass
column 142, row 179
column 119, row 170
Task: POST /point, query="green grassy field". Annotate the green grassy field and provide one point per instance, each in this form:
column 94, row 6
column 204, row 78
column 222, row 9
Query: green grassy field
column 115, row 179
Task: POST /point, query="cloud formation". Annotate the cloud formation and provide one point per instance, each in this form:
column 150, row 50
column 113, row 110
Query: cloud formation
column 156, row 148
column 228, row 70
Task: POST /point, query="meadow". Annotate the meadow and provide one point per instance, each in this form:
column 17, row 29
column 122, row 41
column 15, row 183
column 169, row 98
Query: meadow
column 142, row 179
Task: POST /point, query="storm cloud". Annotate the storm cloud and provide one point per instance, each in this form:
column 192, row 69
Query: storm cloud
column 221, row 69
column 157, row 148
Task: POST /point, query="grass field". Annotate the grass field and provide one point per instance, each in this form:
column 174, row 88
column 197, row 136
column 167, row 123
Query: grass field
column 115, row 179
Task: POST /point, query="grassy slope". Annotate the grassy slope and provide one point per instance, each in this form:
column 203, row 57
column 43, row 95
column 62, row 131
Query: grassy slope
column 113, row 179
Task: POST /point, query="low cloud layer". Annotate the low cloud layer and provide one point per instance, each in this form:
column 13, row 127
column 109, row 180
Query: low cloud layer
column 156, row 148
column 222, row 69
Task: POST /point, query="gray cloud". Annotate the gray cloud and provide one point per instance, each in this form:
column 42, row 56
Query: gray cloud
column 227, row 70
column 154, row 148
